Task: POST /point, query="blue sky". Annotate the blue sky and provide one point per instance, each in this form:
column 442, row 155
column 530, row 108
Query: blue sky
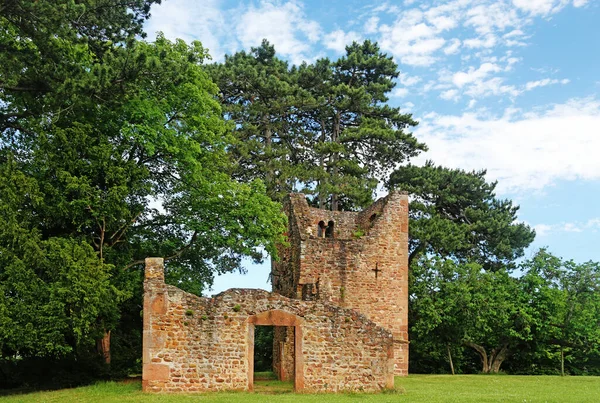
column 511, row 86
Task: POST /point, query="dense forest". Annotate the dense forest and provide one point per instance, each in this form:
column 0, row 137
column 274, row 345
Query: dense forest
column 114, row 148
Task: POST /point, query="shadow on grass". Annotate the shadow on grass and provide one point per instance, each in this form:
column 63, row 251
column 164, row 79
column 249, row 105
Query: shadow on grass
column 134, row 381
column 273, row 387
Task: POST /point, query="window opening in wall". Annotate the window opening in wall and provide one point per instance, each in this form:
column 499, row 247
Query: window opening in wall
column 309, row 292
column 321, row 229
column 372, row 218
column 272, row 354
column 329, row 230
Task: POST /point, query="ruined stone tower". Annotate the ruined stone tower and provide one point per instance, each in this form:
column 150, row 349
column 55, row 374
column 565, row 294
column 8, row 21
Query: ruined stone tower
column 355, row 260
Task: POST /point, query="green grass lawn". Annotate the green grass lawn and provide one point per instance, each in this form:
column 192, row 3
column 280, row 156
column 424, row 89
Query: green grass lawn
column 415, row 388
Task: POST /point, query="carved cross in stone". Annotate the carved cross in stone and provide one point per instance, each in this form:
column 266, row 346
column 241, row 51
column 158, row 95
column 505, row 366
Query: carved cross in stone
column 376, row 269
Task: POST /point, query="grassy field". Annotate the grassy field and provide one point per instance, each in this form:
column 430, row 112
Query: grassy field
column 415, row 388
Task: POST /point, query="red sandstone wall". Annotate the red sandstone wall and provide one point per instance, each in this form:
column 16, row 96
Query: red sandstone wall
column 195, row 344
column 283, row 353
column 340, row 269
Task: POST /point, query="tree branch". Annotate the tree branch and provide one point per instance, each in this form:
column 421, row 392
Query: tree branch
column 173, row 256
column 481, row 351
column 121, row 231
column 413, row 255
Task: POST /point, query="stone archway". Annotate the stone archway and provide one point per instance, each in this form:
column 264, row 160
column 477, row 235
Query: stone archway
column 277, row 317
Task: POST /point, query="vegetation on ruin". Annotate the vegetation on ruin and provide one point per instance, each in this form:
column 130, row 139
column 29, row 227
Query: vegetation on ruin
column 414, row 388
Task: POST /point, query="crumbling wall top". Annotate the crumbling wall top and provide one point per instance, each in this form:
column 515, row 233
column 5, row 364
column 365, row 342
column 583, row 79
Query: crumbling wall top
column 346, row 223
column 155, row 269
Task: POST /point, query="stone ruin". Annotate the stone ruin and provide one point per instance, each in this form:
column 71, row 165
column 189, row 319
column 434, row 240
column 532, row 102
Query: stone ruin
column 339, row 306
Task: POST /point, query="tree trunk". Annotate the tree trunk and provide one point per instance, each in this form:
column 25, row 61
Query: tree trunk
column 322, row 164
column 450, row 358
column 482, row 354
column 103, row 346
column 492, row 363
column 562, row 361
column 334, row 159
column 268, row 154
column 498, row 356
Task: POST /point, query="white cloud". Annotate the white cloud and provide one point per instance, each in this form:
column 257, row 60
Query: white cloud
column 442, row 22
column 411, row 39
column 574, row 227
column 571, row 227
column 453, row 47
column 489, row 41
column 541, row 7
column 542, row 229
column 421, row 33
column 493, row 86
column 399, row 92
column 338, row 40
column 424, row 33
column 514, row 33
column 510, row 61
column 492, row 16
column 474, row 75
column 593, row 223
column 372, row 25
column 450, row 95
column 407, row 80
column 524, row 152
column 283, row 24
column 580, row 3
column 190, row 20
column 386, row 7
column 480, row 82
column 542, row 83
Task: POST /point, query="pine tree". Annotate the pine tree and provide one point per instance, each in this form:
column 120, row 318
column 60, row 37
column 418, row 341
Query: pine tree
column 357, row 139
column 455, row 214
column 322, row 128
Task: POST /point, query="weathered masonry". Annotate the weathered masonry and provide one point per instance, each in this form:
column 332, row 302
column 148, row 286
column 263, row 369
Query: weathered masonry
column 354, row 260
column 196, row 344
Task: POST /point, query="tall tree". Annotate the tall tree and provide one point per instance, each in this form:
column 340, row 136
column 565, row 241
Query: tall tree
column 566, row 298
column 436, row 331
column 260, row 96
column 123, row 145
column 47, row 49
column 357, row 138
column 455, row 214
column 456, row 305
column 52, row 290
column 323, row 128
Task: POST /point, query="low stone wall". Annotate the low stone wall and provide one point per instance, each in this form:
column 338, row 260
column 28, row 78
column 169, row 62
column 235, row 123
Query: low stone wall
column 195, row 344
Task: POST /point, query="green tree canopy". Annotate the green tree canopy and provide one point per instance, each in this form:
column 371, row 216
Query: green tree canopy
column 357, row 138
column 455, row 214
column 455, row 305
column 566, row 298
column 261, row 97
column 123, row 147
column 51, row 52
column 323, row 128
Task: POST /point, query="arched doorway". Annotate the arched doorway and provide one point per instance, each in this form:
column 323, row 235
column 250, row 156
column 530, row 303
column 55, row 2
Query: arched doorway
column 277, row 318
